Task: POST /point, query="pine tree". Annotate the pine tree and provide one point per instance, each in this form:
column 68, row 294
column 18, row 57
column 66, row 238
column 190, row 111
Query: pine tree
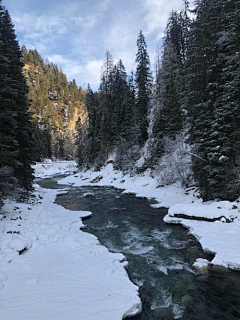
column 225, row 133
column 144, row 85
column 124, row 107
column 212, row 107
column 200, row 108
column 8, row 123
column 167, row 112
column 120, row 92
column 16, row 146
column 107, row 106
column 91, row 147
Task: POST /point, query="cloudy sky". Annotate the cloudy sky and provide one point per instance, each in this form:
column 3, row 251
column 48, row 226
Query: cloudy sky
column 75, row 34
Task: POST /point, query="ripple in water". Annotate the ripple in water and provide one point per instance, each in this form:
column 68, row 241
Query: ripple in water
column 160, row 257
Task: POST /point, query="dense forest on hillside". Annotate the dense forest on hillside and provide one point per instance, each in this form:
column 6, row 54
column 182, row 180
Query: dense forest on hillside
column 55, row 105
column 185, row 125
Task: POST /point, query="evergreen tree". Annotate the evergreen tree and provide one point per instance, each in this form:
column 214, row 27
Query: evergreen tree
column 225, row 134
column 168, row 114
column 91, row 145
column 212, row 107
column 120, row 92
column 202, row 54
column 124, row 106
column 8, row 123
column 16, row 145
column 143, row 88
column 107, row 106
column 167, row 117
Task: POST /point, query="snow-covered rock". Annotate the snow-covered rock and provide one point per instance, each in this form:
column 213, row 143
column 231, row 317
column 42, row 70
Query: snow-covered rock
column 20, row 244
column 88, row 195
column 201, row 265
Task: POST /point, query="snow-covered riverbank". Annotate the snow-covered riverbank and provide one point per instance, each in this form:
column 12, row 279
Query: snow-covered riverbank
column 51, row 270
column 220, row 236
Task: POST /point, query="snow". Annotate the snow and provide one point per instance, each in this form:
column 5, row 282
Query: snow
column 201, row 265
column 19, row 244
column 221, row 237
column 215, row 210
column 218, row 237
column 50, row 168
column 50, row 269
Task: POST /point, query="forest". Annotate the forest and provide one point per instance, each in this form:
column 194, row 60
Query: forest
column 184, row 124
column 180, row 122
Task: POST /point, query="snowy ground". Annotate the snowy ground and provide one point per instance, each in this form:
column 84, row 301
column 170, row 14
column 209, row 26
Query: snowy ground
column 50, row 168
column 51, row 270
column 220, row 236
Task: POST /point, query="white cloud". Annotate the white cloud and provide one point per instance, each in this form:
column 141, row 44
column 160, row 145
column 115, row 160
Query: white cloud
column 157, row 13
column 82, row 73
column 39, row 31
column 75, row 34
column 73, row 68
column 31, row 24
column 87, row 22
column 93, row 73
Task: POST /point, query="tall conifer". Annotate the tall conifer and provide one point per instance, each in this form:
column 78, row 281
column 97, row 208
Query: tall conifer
column 144, row 85
column 16, row 146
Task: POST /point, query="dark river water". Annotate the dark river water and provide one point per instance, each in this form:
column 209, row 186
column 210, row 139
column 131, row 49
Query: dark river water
column 160, row 256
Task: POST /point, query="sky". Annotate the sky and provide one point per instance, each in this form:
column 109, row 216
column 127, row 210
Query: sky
column 75, row 34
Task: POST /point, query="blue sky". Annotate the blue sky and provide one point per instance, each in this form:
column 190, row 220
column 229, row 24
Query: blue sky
column 75, row 34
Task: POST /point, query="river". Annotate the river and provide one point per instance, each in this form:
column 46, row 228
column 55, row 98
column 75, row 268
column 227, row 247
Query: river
column 160, row 256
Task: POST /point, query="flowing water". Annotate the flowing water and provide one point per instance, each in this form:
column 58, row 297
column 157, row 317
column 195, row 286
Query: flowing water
column 160, row 256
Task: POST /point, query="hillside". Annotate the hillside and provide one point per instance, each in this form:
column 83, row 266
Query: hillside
column 55, row 105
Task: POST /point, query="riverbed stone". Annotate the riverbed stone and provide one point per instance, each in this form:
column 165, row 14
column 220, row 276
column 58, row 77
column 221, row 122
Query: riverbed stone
column 163, row 314
column 187, row 300
column 97, row 179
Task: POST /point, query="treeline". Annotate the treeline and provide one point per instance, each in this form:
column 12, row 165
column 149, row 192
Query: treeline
column 55, row 105
column 16, row 143
column 189, row 113
column 117, row 113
